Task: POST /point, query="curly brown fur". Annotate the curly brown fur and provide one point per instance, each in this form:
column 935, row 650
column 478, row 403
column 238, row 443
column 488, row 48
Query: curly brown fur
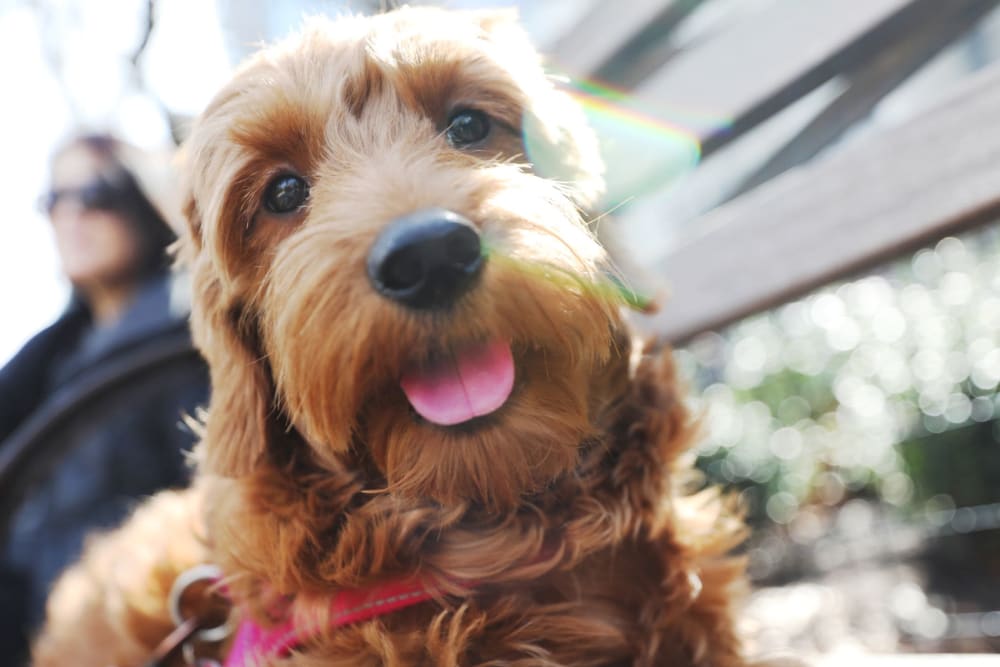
column 568, row 507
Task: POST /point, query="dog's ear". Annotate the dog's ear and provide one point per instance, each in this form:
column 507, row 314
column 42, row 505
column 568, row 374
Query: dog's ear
column 242, row 395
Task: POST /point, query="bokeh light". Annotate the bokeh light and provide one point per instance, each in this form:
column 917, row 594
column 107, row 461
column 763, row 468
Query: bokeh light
column 858, row 425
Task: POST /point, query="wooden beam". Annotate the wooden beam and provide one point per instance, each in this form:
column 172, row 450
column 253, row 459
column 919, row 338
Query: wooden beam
column 867, row 203
column 869, row 84
column 646, row 51
column 602, row 33
column 760, row 65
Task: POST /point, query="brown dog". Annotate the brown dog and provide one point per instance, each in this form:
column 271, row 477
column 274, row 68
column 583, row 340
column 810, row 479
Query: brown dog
column 420, row 374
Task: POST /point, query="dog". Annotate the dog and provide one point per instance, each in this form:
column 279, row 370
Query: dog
column 426, row 399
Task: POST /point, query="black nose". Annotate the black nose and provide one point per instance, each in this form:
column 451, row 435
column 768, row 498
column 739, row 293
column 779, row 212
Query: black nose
column 426, row 259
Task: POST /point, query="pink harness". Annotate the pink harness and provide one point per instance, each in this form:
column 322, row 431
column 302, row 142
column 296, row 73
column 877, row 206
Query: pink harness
column 254, row 644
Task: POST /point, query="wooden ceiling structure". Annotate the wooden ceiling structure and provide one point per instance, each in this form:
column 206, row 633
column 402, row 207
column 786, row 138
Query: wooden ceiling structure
column 807, row 214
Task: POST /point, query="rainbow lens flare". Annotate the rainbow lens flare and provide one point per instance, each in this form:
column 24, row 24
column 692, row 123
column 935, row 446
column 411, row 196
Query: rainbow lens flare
column 610, row 287
column 644, row 147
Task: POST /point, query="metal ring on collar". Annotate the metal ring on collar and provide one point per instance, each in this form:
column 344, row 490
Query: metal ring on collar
column 185, row 580
column 190, row 659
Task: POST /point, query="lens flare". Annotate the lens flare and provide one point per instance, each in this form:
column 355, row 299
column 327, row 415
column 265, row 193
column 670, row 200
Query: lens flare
column 690, row 122
column 609, row 287
column 644, row 148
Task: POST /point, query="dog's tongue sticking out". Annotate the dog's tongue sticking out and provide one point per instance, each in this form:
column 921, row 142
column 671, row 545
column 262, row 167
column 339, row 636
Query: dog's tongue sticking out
column 467, row 383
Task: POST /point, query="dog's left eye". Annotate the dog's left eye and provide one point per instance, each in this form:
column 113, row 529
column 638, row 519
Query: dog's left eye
column 286, row 193
column 467, row 127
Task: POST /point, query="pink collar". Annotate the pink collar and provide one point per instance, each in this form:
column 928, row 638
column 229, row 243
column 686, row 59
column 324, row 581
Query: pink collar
column 254, row 645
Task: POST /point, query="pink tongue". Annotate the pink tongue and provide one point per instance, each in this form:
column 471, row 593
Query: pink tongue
column 468, row 383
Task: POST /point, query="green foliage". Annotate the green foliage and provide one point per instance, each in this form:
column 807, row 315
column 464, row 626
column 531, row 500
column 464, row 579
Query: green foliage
column 885, row 386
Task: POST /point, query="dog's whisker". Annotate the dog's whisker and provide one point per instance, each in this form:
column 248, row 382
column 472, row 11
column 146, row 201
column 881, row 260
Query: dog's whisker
column 599, row 218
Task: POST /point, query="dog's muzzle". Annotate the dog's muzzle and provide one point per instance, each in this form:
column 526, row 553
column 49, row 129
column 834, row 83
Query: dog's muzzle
column 426, row 259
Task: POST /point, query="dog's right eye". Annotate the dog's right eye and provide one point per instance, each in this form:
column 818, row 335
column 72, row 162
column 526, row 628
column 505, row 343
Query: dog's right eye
column 286, row 193
column 467, row 127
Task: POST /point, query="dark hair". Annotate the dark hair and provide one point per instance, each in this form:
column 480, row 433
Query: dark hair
column 151, row 230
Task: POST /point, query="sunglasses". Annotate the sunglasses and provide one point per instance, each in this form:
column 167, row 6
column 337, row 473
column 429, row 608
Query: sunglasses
column 95, row 196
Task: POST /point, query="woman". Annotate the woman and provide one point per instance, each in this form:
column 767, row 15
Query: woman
column 93, row 404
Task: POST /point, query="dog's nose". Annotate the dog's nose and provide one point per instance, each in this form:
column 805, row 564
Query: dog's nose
column 426, row 259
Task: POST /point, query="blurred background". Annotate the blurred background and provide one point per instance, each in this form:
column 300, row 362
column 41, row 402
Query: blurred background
column 810, row 190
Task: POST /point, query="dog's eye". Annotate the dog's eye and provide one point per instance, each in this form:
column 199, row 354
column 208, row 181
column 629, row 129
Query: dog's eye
column 286, row 193
column 467, row 127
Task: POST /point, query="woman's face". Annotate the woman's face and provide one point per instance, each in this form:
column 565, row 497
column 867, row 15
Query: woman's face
column 96, row 243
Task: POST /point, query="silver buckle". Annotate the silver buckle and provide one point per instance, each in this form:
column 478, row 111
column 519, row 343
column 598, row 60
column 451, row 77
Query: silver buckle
column 184, row 581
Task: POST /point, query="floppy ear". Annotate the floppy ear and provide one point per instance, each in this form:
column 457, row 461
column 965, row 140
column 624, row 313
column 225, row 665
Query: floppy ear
column 236, row 426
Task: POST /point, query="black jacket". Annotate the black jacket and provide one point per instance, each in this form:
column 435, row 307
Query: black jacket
column 90, row 423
